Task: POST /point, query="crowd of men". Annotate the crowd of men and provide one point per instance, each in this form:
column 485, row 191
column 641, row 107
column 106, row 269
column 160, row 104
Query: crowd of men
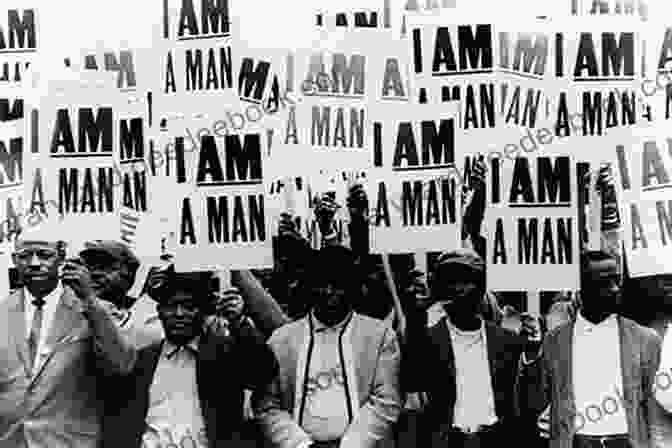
column 317, row 355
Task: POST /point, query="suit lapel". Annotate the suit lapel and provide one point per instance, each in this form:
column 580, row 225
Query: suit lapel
column 563, row 372
column 17, row 331
column 630, row 359
column 448, row 355
column 493, row 350
column 68, row 320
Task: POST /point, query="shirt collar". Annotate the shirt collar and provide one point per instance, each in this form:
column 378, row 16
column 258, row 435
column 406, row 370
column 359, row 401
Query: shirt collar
column 53, row 297
column 584, row 325
column 319, row 327
column 453, row 328
column 169, row 349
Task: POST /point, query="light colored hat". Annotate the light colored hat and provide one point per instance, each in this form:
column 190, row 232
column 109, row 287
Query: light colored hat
column 48, row 230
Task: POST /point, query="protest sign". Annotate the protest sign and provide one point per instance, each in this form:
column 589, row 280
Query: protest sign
column 131, row 122
column 225, row 213
column 11, row 183
column 414, row 189
column 328, row 124
column 290, row 195
column 524, row 72
column 628, row 8
column 18, row 42
column 644, row 167
column 600, row 61
column 655, row 89
column 448, row 52
column 195, row 56
column 414, row 8
column 359, row 18
column 72, row 165
column 531, row 216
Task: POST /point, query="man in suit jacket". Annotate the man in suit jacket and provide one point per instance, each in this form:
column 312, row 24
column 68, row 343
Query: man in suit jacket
column 56, row 345
column 339, row 371
column 466, row 365
column 596, row 371
column 188, row 389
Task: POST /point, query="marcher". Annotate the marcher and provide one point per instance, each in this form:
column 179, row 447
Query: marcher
column 339, row 371
column 113, row 268
column 189, row 387
column 596, row 400
column 57, row 345
column 467, row 366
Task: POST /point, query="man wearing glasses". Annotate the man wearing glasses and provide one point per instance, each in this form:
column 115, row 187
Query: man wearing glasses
column 56, row 344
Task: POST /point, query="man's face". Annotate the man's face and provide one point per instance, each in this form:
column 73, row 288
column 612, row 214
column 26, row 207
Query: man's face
column 37, row 263
column 601, row 291
column 462, row 293
column 330, row 301
column 109, row 277
column 181, row 317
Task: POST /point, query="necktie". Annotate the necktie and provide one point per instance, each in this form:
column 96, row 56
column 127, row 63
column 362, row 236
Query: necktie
column 35, row 330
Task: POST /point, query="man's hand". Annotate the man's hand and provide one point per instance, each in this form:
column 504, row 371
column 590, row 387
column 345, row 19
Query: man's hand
column 417, row 290
column 76, row 275
column 325, row 211
column 358, row 202
column 477, row 178
column 229, row 305
column 287, row 228
column 531, row 330
column 157, row 280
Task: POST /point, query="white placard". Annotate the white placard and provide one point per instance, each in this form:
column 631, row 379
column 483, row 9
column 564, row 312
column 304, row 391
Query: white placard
column 414, row 189
column 532, row 221
column 644, row 169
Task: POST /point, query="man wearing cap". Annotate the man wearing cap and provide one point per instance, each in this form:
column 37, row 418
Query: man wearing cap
column 187, row 390
column 339, row 371
column 57, row 345
column 466, row 365
column 113, row 268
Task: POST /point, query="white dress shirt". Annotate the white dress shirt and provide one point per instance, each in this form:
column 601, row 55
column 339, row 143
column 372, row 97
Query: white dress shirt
column 475, row 403
column 598, row 378
column 51, row 302
column 174, row 413
column 326, row 412
column 663, row 383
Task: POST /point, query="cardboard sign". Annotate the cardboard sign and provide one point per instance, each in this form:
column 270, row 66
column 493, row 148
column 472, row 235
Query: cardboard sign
column 18, row 43
column 73, row 165
column 356, row 18
column 448, row 52
column 226, row 211
column 11, row 184
column 644, row 168
column 414, row 187
column 524, row 71
column 196, row 61
column 532, row 221
column 599, row 52
column 627, row 8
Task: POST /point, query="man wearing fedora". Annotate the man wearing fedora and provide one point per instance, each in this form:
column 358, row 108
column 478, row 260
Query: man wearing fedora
column 188, row 389
column 57, row 346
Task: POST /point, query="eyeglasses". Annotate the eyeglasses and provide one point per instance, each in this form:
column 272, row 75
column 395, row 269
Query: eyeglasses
column 25, row 255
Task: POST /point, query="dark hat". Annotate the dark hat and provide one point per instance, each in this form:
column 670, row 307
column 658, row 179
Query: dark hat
column 111, row 251
column 200, row 284
column 459, row 262
column 333, row 264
